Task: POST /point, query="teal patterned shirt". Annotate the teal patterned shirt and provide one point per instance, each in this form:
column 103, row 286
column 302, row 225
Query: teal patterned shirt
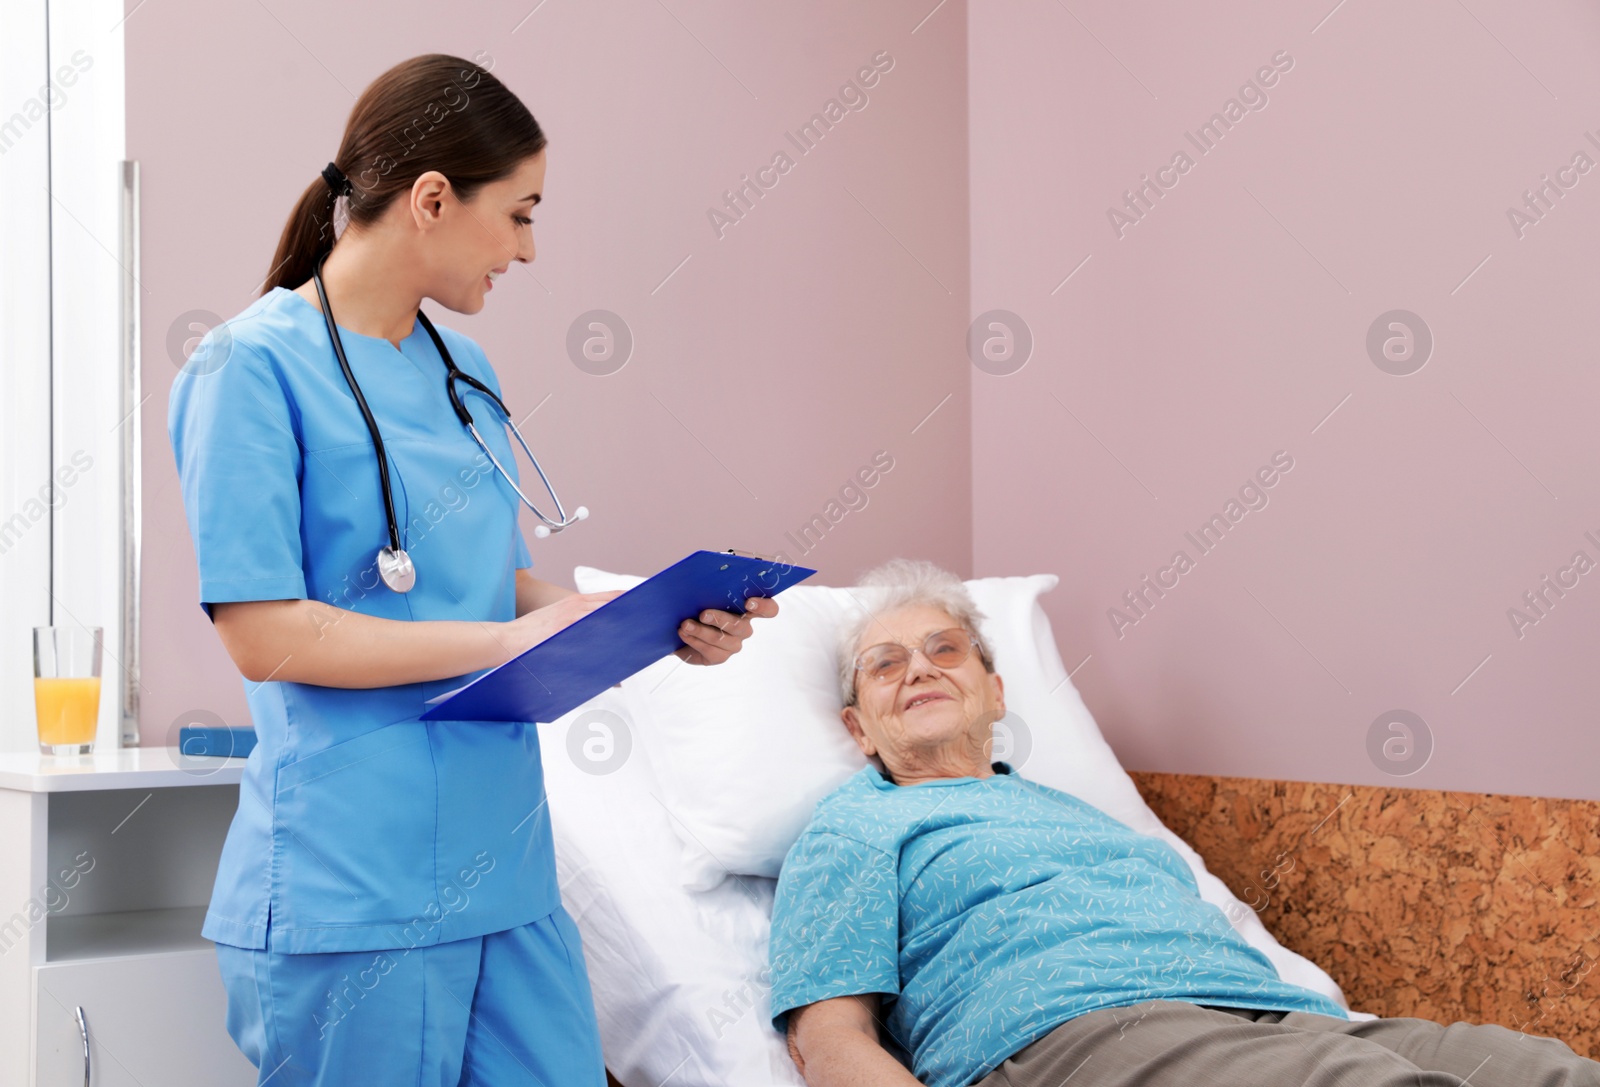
column 988, row 911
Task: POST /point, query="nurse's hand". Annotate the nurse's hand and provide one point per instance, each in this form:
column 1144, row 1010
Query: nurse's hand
column 529, row 629
column 718, row 635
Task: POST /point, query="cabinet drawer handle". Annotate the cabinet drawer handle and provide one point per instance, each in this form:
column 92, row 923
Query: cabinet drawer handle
column 83, row 1032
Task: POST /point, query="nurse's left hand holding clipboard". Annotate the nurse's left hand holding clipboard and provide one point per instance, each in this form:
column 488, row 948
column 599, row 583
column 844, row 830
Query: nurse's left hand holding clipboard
column 709, row 638
column 309, row 641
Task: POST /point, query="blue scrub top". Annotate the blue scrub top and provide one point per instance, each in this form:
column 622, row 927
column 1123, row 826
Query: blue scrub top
column 359, row 827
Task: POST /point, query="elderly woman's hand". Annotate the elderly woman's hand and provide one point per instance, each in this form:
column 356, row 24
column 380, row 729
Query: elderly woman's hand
column 719, row 634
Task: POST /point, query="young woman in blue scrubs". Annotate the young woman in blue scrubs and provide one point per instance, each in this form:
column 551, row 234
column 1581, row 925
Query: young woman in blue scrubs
column 386, row 908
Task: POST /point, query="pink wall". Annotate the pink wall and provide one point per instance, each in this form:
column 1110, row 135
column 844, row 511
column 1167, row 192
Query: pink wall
column 1231, row 323
column 1169, row 364
column 767, row 370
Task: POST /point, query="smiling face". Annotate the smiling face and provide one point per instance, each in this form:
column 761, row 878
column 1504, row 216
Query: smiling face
column 470, row 243
column 933, row 722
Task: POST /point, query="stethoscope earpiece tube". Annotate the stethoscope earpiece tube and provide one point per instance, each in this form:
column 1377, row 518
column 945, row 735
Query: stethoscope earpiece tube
column 453, row 373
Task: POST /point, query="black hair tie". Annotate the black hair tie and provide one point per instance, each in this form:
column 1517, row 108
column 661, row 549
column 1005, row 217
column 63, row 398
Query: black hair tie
column 337, row 181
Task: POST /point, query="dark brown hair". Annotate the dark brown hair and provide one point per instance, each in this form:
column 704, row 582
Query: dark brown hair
column 433, row 112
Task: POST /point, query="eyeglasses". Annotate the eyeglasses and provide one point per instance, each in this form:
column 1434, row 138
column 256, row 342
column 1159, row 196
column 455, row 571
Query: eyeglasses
column 887, row 662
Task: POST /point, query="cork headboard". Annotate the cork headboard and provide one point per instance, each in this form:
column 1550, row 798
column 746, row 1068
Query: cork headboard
column 1444, row 905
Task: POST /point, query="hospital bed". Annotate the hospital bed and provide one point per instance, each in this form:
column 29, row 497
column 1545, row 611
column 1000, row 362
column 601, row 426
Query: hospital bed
column 674, row 796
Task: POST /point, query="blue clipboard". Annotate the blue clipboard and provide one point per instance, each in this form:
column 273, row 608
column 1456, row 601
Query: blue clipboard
column 615, row 640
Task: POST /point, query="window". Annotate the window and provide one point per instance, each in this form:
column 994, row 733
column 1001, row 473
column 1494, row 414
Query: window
column 68, row 427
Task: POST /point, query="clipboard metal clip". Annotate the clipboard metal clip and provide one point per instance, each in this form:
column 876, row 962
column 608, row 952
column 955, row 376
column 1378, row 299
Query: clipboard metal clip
column 777, row 566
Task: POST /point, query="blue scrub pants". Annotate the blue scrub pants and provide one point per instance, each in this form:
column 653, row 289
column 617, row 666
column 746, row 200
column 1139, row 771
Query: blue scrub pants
column 512, row 1007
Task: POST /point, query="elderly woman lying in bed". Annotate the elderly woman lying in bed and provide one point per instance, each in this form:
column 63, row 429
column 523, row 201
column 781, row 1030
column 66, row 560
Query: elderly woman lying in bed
column 943, row 912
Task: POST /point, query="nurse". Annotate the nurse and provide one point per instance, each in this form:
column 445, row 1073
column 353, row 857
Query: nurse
column 386, row 908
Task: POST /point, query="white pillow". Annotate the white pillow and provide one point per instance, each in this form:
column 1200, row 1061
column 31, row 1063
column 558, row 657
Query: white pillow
column 743, row 751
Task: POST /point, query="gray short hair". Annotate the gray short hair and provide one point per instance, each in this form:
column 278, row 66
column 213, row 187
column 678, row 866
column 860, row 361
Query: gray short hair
column 908, row 583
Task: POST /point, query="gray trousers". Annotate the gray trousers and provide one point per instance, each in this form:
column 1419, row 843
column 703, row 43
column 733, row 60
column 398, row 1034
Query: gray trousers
column 1171, row 1043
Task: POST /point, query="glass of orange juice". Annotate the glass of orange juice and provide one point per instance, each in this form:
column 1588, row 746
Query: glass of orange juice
column 66, row 687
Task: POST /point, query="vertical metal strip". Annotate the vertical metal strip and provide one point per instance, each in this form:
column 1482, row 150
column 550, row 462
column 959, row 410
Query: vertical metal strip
column 132, row 520
column 50, row 320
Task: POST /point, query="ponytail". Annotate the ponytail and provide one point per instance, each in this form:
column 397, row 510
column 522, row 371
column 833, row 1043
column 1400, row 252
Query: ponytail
column 307, row 235
column 433, row 112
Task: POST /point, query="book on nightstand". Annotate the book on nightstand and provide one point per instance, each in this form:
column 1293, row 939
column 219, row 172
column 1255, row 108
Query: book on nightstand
column 223, row 741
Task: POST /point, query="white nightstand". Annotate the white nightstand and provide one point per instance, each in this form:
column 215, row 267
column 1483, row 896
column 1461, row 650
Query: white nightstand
column 106, row 865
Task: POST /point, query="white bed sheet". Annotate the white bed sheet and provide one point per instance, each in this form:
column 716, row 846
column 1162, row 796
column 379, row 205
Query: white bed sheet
column 678, row 976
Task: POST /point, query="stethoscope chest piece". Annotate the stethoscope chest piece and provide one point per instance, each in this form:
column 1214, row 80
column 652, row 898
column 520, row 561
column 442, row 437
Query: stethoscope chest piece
column 394, row 567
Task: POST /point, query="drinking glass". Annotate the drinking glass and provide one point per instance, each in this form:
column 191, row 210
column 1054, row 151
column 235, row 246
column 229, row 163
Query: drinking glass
column 66, row 687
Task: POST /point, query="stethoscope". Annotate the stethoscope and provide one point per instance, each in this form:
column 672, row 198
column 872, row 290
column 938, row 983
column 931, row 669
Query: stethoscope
column 394, row 565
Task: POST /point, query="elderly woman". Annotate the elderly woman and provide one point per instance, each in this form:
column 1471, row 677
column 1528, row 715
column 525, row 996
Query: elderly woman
column 943, row 913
